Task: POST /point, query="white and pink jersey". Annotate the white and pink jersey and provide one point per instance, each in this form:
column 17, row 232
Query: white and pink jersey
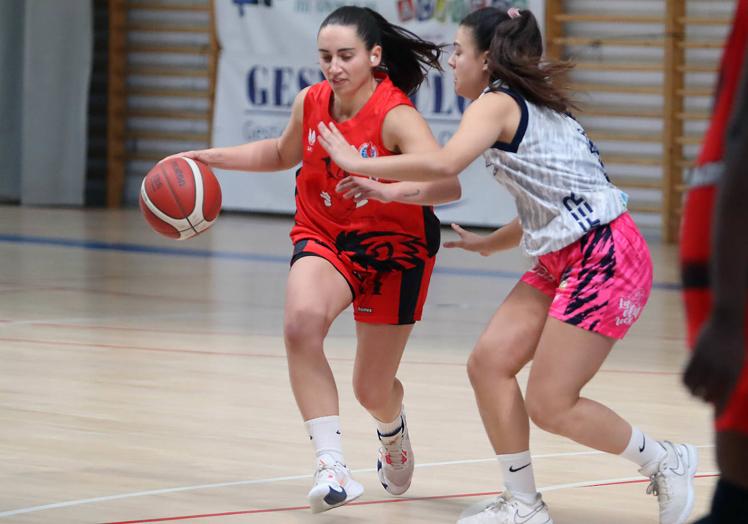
column 554, row 172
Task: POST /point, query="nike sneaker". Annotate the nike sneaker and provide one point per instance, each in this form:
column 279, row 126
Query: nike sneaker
column 507, row 509
column 672, row 481
column 333, row 485
column 395, row 460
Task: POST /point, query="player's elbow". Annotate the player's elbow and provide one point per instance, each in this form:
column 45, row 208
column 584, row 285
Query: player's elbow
column 454, row 190
column 285, row 159
column 441, row 168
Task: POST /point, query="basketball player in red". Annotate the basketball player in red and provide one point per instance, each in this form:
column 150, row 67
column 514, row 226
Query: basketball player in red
column 714, row 258
column 375, row 255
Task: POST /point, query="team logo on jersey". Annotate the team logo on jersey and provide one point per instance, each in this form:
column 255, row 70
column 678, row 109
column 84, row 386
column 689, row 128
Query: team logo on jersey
column 311, row 139
column 368, row 150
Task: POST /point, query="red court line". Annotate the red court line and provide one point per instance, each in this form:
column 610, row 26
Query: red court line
column 297, row 508
column 365, row 503
column 278, row 355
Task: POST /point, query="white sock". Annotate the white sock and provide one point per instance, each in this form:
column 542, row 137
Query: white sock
column 389, row 429
column 518, row 475
column 324, row 432
column 643, row 450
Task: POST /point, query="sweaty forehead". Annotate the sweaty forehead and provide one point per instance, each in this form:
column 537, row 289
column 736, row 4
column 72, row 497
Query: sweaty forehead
column 335, row 37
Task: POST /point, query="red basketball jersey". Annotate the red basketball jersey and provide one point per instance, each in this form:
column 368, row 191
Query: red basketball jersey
column 712, row 149
column 323, row 213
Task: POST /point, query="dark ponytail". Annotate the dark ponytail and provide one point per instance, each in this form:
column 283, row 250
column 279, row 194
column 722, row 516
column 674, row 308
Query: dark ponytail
column 405, row 56
column 515, row 56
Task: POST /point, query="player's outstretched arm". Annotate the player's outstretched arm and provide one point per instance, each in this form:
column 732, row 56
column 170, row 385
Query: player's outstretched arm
column 480, row 127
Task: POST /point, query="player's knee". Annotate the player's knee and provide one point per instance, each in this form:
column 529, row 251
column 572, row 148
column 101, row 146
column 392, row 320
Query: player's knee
column 371, row 396
column 304, row 329
column 546, row 411
column 493, row 359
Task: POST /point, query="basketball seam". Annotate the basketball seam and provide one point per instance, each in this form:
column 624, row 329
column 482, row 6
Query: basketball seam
column 179, row 204
column 157, row 212
column 197, row 178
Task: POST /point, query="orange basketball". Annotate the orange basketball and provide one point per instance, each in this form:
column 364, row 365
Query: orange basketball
column 180, row 198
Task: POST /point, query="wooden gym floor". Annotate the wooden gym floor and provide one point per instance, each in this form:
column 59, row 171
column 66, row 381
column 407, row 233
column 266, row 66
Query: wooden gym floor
column 144, row 380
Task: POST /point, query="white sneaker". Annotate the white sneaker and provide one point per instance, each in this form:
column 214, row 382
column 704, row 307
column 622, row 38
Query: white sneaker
column 507, row 509
column 395, row 460
column 672, row 481
column 333, row 485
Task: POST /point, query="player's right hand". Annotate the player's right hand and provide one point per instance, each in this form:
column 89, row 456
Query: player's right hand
column 362, row 188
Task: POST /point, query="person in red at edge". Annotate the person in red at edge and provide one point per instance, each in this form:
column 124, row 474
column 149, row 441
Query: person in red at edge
column 376, row 255
column 714, row 258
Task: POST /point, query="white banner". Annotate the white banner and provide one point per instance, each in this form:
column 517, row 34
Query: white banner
column 269, row 54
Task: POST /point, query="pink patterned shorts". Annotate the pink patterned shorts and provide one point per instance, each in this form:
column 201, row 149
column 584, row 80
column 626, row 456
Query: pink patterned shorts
column 599, row 283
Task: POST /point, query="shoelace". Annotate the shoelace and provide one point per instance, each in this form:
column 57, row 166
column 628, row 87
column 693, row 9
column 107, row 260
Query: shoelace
column 325, row 470
column 394, row 448
column 658, row 486
column 500, row 506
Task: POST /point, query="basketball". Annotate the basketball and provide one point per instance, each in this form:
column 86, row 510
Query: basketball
column 180, row 198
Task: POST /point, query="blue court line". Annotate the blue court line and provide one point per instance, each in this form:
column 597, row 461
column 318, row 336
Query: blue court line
column 98, row 245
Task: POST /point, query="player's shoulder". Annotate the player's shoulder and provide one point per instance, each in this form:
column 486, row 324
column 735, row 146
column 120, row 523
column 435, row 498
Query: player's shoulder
column 493, row 101
column 402, row 117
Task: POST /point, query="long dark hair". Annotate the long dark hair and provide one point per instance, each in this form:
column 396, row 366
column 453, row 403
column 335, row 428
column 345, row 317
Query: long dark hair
column 515, row 56
column 405, row 56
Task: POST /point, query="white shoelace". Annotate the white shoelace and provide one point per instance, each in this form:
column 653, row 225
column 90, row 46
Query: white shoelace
column 658, row 486
column 324, row 470
column 394, row 448
column 500, row 506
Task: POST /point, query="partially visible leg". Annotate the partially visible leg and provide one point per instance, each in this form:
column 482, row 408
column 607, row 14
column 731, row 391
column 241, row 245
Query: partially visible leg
column 380, row 348
column 316, row 293
column 507, row 344
column 730, row 502
column 503, row 349
column 566, row 359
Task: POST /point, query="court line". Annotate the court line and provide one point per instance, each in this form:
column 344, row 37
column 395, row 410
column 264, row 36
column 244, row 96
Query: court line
column 586, row 484
column 163, row 491
column 98, row 245
column 279, row 355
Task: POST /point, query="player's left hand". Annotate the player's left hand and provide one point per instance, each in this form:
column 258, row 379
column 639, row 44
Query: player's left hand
column 469, row 241
column 717, row 361
column 342, row 153
column 360, row 188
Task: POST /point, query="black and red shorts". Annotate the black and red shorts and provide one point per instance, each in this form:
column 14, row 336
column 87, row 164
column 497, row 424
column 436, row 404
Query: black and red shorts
column 388, row 273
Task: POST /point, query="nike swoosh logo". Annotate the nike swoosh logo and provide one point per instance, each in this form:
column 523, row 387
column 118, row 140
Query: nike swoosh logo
column 680, row 467
column 521, row 519
column 512, row 469
column 644, row 444
column 335, row 497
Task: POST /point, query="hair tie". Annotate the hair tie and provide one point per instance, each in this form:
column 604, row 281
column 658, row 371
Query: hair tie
column 513, row 12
